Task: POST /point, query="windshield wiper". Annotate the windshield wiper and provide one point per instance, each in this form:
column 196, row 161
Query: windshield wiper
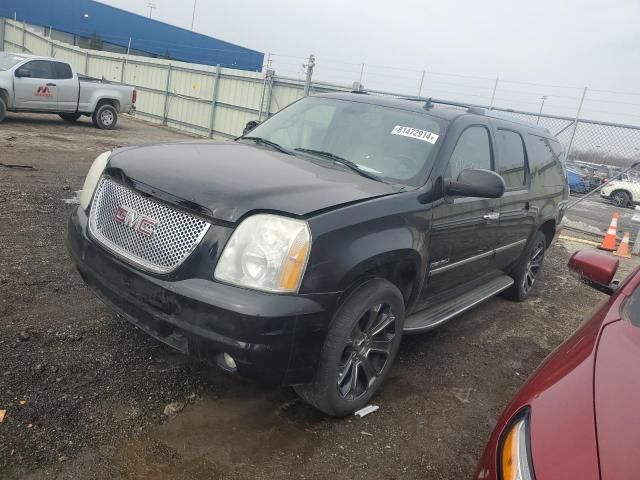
column 342, row 161
column 264, row 141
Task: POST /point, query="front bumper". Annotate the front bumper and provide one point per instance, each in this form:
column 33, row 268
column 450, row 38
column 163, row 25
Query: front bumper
column 276, row 338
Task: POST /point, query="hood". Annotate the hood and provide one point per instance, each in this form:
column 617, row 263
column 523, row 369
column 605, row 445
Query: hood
column 617, row 400
column 230, row 179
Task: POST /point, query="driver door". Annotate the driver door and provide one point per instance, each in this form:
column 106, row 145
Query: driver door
column 37, row 91
column 464, row 229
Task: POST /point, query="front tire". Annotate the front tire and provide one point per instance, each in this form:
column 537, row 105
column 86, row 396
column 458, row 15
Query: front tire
column 69, row 117
column 360, row 347
column 621, row 198
column 3, row 110
column 105, row 117
column 526, row 271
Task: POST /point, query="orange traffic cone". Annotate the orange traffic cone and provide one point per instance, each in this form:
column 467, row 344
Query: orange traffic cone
column 623, row 249
column 609, row 240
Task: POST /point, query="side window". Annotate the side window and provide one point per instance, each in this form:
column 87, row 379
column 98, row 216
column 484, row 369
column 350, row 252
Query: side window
column 39, row 69
column 512, row 158
column 62, row 70
column 473, row 150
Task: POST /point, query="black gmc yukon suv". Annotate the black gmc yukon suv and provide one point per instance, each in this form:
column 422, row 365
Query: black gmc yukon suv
column 302, row 252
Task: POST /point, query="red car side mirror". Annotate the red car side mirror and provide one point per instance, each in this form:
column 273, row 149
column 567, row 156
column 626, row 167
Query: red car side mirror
column 595, row 269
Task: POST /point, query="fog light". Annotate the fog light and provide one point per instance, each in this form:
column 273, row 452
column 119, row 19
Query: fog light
column 229, row 361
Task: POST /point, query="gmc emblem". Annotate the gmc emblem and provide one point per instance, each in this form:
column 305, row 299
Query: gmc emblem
column 140, row 223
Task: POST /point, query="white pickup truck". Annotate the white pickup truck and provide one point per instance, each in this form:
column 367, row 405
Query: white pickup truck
column 30, row 83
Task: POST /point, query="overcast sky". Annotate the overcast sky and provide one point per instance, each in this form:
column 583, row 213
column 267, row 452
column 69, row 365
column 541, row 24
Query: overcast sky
column 558, row 42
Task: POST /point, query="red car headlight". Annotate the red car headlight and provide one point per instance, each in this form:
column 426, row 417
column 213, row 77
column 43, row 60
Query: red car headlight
column 514, row 457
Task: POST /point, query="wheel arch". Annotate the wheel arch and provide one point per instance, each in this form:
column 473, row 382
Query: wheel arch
column 548, row 228
column 108, row 101
column 400, row 267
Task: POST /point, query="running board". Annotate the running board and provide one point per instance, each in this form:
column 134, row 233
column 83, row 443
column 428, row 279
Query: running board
column 435, row 316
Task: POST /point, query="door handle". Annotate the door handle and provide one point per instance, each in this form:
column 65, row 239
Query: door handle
column 491, row 216
column 51, row 84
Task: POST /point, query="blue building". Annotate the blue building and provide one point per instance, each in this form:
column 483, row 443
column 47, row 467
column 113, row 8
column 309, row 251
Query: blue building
column 90, row 24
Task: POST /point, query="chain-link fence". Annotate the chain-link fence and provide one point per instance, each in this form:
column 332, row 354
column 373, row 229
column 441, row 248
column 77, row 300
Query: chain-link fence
column 218, row 102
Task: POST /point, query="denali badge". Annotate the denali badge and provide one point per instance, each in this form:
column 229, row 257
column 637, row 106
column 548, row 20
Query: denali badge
column 140, row 223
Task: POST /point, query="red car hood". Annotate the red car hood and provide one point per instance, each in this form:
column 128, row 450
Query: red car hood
column 584, row 401
column 617, row 400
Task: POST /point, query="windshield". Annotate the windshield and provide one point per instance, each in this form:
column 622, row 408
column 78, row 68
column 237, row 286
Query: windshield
column 9, row 60
column 394, row 145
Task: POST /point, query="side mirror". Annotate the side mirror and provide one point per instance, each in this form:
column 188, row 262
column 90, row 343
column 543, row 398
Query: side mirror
column 23, row 72
column 595, row 269
column 251, row 124
column 476, row 183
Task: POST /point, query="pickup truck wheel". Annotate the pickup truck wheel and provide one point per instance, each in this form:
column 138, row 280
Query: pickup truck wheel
column 527, row 269
column 362, row 343
column 620, row 198
column 70, row 117
column 3, row 110
column 105, row 117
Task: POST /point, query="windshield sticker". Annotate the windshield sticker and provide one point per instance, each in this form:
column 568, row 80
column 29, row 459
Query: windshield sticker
column 416, row 133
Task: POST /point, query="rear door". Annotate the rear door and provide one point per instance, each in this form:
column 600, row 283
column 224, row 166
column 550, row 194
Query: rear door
column 67, row 86
column 516, row 215
column 37, row 91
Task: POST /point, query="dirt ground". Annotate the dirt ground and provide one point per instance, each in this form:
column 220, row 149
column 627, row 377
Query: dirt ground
column 85, row 391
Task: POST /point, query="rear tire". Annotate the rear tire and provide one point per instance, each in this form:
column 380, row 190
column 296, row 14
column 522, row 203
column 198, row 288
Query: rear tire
column 3, row 110
column 360, row 347
column 105, row 117
column 621, row 198
column 526, row 271
column 70, row 117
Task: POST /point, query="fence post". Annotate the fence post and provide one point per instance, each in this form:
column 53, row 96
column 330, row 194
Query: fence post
column 165, row 113
column 575, row 125
column 2, row 32
column 421, row 83
column 270, row 75
column 212, row 116
column 307, row 82
column 493, row 94
column 50, row 43
column 86, row 63
column 124, row 62
column 24, row 35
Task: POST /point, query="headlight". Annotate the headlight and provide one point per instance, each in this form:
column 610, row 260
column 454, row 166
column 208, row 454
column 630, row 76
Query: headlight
column 515, row 459
column 266, row 252
column 93, row 176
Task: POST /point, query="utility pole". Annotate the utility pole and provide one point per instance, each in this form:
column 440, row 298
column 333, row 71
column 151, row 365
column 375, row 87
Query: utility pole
column 544, row 97
column 193, row 15
column 151, row 6
column 309, row 66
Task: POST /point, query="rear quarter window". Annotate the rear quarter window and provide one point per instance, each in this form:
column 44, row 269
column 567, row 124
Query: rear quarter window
column 62, row 70
column 545, row 160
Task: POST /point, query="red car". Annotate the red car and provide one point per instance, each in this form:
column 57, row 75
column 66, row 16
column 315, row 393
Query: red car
column 578, row 415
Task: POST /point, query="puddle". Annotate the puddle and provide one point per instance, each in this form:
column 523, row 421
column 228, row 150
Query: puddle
column 240, row 431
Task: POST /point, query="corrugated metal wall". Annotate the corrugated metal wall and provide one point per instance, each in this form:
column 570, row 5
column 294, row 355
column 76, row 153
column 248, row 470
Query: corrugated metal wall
column 201, row 99
column 87, row 18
